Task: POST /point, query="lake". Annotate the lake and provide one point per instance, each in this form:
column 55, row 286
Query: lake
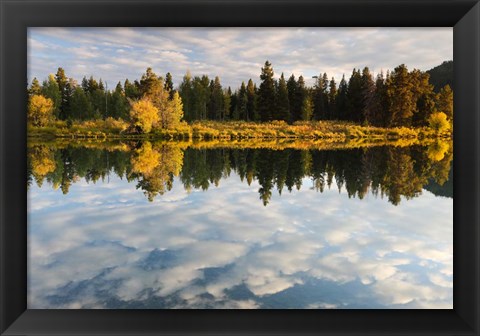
column 239, row 225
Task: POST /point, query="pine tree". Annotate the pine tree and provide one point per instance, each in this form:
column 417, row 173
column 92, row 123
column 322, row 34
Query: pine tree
column 332, row 98
column 355, row 97
column 307, row 108
column 301, row 99
column 368, row 93
column 251, row 101
column 227, row 101
column 119, row 103
column 81, row 108
column 35, row 88
column 186, row 93
column 150, row 83
column 424, row 97
column 444, row 101
column 341, row 100
column 381, row 110
column 169, row 84
column 292, row 99
column 62, row 82
column 401, row 94
column 266, row 93
column 282, row 104
column 131, row 91
column 242, row 103
column 51, row 90
column 216, row 103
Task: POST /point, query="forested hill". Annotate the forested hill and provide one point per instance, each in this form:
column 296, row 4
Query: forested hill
column 441, row 75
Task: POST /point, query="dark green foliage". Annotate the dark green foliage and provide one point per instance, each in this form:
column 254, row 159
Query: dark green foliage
column 169, row 84
column 321, row 109
column 301, row 99
column 332, row 98
column 294, row 103
column 441, row 75
column 81, row 108
column 131, row 91
column 401, row 98
column 216, row 106
column 266, row 93
column 118, row 104
column 51, row 90
column 355, row 97
column 62, row 82
column 341, row 100
column 252, row 114
column 368, row 96
column 35, row 88
column 241, row 108
column 282, row 111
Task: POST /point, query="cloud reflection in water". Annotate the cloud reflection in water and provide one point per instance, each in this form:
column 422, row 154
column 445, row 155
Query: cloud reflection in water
column 104, row 245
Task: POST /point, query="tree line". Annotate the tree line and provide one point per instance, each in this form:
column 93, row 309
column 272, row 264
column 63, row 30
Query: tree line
column 397, row 98
column 393, row 172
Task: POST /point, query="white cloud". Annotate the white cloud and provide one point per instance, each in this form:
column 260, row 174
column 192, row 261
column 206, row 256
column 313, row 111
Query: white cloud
column 234, row 54
column 401, row 255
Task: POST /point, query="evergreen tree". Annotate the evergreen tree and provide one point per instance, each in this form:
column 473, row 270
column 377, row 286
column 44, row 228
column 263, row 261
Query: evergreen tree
column 81, row 108
column 320, row 98
column 341, row 102
column 266, row 93
column 401, row 94
column 355, row 97
column 200, row 96
column 301, row 94
column 216, row 103
column 119, row 103
column 380, row 109
column 131, row 91
column 186, row 93
column 227, row 101
column 251, row 101
column 62, row 82
column 332, row 98
column 150, row 83
column 424, row 96
column 307, row 108
column 292, row 99
column 242, row 103
column 283, row 106
column 444, row 101
column 51, row 90
column 169, row 84
column 35, row 88
column 368, row 93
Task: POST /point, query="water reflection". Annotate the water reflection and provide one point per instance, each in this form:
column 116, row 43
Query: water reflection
column 205, row 239
column 385, row 171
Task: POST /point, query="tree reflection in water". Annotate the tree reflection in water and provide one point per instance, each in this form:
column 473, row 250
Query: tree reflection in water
column 385, row 171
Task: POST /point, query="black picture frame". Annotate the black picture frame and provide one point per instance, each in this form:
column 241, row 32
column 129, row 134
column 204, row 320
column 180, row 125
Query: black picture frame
column 16, row 16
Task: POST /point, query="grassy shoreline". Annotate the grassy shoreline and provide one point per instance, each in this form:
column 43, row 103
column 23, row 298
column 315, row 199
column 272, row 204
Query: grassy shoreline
column 336, row 131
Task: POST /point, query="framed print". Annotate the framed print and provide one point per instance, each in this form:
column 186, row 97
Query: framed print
column 207, row 167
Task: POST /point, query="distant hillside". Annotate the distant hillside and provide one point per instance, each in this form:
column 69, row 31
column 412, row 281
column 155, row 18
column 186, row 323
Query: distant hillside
column 446, row 190
column 442, row 75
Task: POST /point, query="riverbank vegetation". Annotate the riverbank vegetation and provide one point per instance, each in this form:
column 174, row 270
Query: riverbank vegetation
column 399, row 104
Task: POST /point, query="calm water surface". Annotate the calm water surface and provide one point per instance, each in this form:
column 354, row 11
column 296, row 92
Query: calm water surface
column 170, row 225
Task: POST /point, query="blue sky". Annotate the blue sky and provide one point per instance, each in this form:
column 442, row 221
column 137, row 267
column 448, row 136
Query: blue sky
column 234, row 54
